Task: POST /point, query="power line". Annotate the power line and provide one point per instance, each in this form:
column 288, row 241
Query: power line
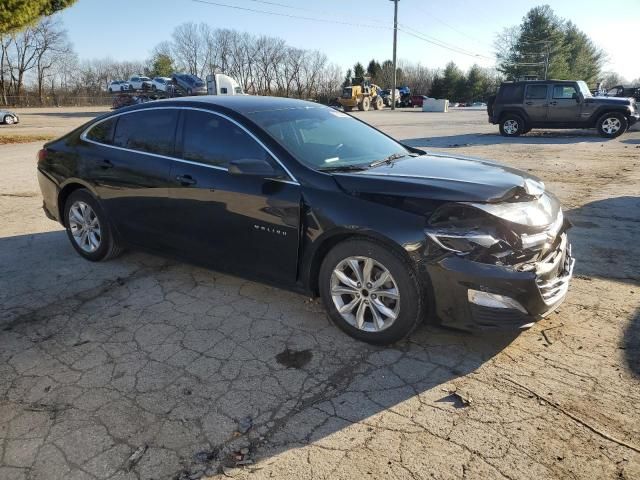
column 287, row 15
column 439, row 43
column 431, row 15
column 414, row 33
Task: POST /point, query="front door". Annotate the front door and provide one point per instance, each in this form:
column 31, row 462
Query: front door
column 564, row 106
column 535, row 99
column 244, row 224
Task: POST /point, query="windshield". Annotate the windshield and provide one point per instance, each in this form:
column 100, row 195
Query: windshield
column 584, row 89
column 324, row 138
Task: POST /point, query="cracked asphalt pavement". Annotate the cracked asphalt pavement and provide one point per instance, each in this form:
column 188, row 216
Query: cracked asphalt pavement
column 145, row 368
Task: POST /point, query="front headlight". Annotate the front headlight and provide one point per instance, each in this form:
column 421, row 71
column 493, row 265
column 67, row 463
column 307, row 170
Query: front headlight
column 535, row 213
column 462, row 242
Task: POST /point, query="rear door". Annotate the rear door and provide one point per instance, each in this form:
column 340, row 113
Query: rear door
column 129, row 164
column 564, row 106
column 536, row 102
column 243, row 223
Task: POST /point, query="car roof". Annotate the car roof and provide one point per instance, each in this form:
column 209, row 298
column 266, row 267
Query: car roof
column 243, row 104
column 522, row 82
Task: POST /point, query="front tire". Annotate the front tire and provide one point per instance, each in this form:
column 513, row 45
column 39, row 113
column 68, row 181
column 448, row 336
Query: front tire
column 378, row 103
column 364, row 104
column 511, row 125
column 88, row 228
column 8, row 120
column 612, row 125
column 371, row 292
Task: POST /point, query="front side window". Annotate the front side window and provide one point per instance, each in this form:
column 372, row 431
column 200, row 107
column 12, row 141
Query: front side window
column 151, row 131
column 564, row 92
column 536, row 92
column 215, row 141
column 103, row 131
column 324, row 138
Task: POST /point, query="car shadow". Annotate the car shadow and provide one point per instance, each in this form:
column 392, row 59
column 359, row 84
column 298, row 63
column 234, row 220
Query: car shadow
column 631, row 141
column 226, row 363
column 532, row 138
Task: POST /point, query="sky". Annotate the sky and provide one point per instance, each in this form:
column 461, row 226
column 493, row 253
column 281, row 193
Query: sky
column 128, row 30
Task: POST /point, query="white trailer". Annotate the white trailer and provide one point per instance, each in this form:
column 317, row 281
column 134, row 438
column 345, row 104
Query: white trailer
column 221, row 84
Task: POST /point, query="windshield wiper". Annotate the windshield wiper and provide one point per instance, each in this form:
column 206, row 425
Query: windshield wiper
column 389, row 160
column 344, row 168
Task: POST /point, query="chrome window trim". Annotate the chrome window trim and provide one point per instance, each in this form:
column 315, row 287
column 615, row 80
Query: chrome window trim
column 83, row 137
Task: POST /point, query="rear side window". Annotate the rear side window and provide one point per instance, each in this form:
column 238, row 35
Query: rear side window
column 214, row 140
column 536, row 92
column 103, row 131
column 150, row 131
column 511, row 93
column 564, row 91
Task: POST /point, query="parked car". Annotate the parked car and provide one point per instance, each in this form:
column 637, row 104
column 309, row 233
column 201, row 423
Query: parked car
column 478, row 104
column 520, row 106
column 161, row 83
column 140, row 82
column 417, row 100
column 386, row 97
column 118, row 86
column 309, row 198
column 8, row 117
column 191, row 84
column 624, row 91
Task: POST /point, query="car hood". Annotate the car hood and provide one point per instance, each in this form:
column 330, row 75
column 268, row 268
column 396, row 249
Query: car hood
column 443, row 178
column 622, row 101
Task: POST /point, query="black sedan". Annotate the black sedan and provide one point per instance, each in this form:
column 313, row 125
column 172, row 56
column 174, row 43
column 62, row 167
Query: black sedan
column 305, row 197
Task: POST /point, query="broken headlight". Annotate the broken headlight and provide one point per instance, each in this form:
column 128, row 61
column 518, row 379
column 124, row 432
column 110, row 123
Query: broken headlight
column 464, row 229
column 536, row 213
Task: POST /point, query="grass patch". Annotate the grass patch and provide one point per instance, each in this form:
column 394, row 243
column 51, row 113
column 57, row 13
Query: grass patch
column 11, row 138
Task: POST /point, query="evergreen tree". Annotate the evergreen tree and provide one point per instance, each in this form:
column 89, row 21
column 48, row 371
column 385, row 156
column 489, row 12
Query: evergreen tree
column 358, row 70
column 373, row 70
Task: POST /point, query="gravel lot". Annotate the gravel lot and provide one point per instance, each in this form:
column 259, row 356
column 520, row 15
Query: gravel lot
column 145, row 368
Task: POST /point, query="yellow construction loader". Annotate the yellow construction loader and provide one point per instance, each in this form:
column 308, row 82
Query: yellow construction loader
column 361, row 94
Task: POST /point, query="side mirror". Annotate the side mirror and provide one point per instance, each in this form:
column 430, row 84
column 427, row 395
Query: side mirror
column 252, row 166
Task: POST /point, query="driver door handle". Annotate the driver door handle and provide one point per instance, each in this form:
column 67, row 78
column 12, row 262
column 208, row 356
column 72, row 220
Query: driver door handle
column 553, row 103
column 186, row 180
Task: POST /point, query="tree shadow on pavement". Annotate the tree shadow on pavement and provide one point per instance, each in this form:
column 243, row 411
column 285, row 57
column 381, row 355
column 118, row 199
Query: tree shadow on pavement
column 606, row 244
column 191, row 365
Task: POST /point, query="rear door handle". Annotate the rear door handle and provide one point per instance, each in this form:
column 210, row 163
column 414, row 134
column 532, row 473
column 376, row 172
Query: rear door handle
column 553, row 103
column 105, row 164
column 186, row 180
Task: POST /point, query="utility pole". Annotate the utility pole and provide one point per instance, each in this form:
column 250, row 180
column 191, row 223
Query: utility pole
column 395, row 44
column 546, row 59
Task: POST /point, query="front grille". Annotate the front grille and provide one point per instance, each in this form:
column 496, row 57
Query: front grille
column 560, row 261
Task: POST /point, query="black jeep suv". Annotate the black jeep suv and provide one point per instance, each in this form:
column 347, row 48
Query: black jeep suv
column 520, row 106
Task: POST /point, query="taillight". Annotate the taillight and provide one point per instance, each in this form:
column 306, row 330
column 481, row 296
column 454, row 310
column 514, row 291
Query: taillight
column 42, row 155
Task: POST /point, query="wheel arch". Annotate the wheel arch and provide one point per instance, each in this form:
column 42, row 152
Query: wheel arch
column 66, row 189
column 605, row 110
column 514, row 111
column 325, row 244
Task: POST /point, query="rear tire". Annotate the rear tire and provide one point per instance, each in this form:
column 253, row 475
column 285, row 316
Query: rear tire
column 511, row 125
column 8, row 120
column 380, row 321
column 612, row 125
column 95, row 242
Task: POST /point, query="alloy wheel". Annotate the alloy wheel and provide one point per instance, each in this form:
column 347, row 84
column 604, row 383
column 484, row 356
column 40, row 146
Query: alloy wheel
column 611, row 125
column 85, row 226
column 365, row 294
column 9, row 120
column 510, row 126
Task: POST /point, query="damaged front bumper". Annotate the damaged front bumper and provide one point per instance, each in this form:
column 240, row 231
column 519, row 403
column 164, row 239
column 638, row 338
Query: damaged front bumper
column 470, row 295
